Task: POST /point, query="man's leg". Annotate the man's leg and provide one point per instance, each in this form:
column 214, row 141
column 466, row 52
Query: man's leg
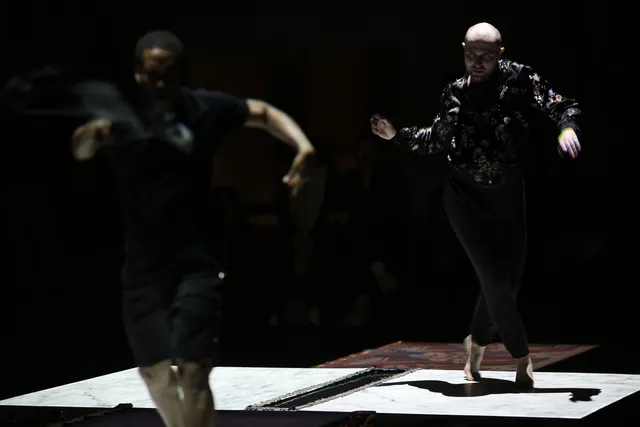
column 147, row 327
column 491, row 229
column 198, row 409
column 524, row 365
column 162, row 383
column 501, row 276
column 195, row 321
column 500, row 297
column 482, row 329
column 460, row 211
column 483, row 332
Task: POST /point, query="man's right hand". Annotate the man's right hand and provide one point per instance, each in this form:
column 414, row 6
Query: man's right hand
column 382, row 127
column 89, row 138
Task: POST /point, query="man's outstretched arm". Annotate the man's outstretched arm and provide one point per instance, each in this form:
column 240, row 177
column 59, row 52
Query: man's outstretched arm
column 278, row 124
column 537, row 93
column 281, row 126
column 426, row 140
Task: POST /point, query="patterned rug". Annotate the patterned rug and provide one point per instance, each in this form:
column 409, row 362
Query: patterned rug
column 406, row 355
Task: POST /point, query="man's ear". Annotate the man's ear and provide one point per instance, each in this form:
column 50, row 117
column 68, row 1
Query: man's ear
column 463, row 45
column 501, row 51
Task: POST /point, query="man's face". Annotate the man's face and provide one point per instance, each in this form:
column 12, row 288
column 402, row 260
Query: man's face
column 157, row 74
column 481, row 59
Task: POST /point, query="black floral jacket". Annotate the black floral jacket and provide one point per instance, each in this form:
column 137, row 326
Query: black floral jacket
column 483, row 140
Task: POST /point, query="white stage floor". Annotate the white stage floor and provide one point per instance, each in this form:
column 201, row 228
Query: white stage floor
column 431, row 392
column 422, row 392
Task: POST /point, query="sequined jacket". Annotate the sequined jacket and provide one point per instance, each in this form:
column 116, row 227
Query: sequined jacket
column 484, row 140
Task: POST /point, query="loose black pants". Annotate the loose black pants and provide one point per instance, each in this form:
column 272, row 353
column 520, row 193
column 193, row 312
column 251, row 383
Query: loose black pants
column 490, row 223
column 173, row 312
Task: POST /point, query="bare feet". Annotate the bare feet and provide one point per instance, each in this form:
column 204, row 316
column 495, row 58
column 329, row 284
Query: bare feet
column 474, row 358
column 524, row 373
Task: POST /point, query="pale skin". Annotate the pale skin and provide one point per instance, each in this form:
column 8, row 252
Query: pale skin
column 183, row 396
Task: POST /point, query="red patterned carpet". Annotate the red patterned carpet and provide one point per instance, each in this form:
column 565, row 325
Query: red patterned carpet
column 405, row 355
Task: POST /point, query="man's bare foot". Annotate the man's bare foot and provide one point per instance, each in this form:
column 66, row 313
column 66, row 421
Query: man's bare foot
column 524, row 373
column 474, row 353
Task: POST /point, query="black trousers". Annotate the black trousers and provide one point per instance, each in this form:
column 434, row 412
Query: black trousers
column 173, row 312
column 490, row 223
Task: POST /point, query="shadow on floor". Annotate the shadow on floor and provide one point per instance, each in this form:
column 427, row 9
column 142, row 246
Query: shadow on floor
column 490, row 386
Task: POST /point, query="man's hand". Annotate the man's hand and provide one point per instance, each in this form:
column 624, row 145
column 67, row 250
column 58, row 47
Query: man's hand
column 89, row 138
column 382, row 127
column 568, row 143
column 300, row 171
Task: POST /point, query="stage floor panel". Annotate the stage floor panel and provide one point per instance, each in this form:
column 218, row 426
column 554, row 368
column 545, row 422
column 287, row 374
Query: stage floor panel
column 421, row 392
column 444, row 392
column 233, row 388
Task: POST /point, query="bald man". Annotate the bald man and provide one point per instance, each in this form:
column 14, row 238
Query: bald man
column 481, row 125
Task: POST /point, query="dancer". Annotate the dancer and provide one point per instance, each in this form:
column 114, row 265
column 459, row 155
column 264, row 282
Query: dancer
column 481, row 125
column 171, row 281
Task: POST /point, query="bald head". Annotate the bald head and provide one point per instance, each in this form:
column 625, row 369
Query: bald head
column 482, row 51
column 483, row 33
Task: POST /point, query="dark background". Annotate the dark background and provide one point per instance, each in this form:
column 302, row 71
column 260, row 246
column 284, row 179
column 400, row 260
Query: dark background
column 330, row 69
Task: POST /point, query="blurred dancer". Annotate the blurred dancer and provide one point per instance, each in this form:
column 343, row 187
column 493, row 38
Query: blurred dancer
column 171, row 280
column 481, row 125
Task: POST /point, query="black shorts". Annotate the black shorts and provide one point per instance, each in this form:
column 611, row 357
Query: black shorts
column 173, row 313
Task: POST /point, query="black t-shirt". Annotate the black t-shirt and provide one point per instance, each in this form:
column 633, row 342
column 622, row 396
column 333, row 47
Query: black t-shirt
column 165, row 192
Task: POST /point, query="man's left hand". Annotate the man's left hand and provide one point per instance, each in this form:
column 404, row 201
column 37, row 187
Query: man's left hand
column 300, row 171
column 568, row 143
